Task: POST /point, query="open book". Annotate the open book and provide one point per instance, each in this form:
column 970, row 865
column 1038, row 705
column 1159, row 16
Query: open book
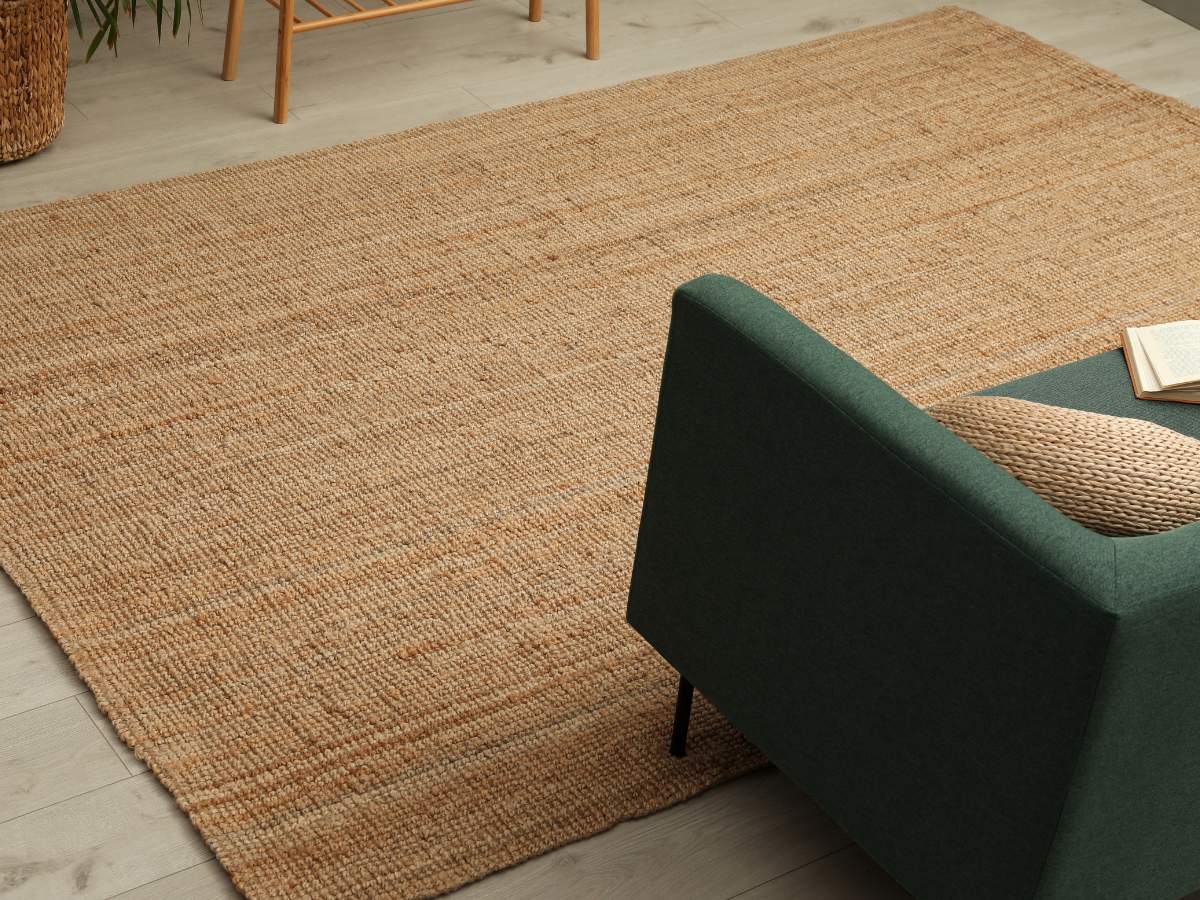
column 1164, row 361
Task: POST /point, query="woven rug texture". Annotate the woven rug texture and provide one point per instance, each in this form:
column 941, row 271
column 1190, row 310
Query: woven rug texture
column 326, row 471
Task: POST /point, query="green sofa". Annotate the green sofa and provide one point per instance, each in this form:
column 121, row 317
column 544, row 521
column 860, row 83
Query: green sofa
column 993, row 701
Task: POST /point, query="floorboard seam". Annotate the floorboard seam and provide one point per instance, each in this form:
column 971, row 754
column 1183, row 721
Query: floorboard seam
column 842, row 849
column 82, row 690
column 99, row 787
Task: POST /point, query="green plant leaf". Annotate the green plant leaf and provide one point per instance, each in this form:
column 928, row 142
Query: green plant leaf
column 95, row 43
column 99, row 19
column 74, row 4
column 114, row 25
column 107, row 14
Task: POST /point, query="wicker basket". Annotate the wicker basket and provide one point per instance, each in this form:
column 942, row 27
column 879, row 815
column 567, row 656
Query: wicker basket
column 33, row 75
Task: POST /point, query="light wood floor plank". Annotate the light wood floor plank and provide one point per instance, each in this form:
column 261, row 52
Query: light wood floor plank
column 98, row 844
column 630, row 24
column 104, row 728
column 206, row 881
column 33, row 669
column 49, row 754
column 723, row 842
column 13, row 605
column 846, row 875
column 505, row 89
column 814, row 17
column 1167, row 69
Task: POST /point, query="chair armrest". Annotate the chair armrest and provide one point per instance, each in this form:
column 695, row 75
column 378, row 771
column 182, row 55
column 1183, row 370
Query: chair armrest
column 905, row 629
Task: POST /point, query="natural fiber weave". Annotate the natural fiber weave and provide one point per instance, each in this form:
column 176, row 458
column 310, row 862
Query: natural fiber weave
column 33, row 75
column 327, row 470
column 1115, row 475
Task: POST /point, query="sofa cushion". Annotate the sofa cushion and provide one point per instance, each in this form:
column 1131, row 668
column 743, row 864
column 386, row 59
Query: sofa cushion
column 1115, row 475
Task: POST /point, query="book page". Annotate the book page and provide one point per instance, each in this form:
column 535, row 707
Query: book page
column 1147, row 380
column 1174, row 351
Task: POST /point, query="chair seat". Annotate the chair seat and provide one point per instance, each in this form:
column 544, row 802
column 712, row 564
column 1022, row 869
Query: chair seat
column 1100, row 384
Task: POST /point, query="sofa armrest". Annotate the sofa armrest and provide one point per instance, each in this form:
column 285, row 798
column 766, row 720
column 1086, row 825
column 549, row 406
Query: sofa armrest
column 906, row 630
column 1131, row 826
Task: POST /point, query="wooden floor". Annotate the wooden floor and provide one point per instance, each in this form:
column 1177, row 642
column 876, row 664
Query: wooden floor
column 79, row 815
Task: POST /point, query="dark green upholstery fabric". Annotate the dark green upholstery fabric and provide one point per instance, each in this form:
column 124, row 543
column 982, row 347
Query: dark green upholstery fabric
column 1151, row 673
column 1100, row 384
column 980, row 691
column 1131, row 828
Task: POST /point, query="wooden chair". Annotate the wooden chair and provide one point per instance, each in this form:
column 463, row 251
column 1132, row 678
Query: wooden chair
column 290, row 24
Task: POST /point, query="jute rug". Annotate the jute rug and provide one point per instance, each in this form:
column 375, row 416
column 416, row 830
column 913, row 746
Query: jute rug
column 326, row 470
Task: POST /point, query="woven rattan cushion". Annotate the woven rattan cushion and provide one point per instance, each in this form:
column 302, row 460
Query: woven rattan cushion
column 1115, row 475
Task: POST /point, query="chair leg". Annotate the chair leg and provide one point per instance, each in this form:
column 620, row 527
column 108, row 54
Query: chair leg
column 593, row 29
column 283, row 58
column 233, row 39
column 535, row 10
column 683, row 717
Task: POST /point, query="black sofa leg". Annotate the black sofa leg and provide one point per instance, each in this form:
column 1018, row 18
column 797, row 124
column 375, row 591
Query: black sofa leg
column 683, row 716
